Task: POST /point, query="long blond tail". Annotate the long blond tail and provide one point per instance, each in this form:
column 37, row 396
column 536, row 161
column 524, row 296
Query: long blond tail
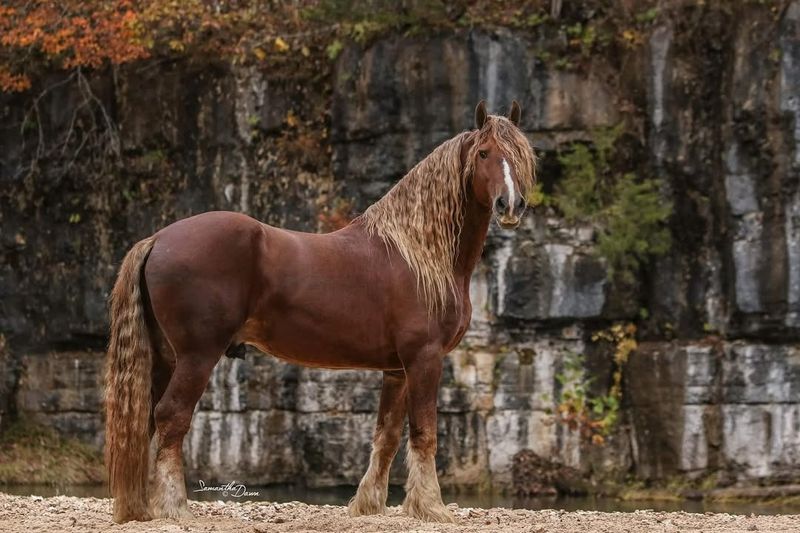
column 127, row 395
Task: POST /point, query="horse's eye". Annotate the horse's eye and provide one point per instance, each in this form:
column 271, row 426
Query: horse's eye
column 483, row 154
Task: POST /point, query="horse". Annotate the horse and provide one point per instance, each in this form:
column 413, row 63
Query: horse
column 388, row 292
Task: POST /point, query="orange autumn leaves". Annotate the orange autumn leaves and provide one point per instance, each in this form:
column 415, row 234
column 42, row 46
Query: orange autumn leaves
column 46, row 34
column 67, row 34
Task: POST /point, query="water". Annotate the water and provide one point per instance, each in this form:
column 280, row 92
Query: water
column 341, row 495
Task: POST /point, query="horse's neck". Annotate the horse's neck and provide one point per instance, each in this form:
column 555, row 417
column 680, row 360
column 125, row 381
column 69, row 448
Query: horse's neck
column 473, row 235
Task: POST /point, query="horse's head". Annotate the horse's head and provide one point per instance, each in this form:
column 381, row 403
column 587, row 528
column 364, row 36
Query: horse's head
column 502, row 165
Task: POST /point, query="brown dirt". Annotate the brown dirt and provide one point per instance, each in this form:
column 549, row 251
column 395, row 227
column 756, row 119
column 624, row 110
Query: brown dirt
column 33, row 513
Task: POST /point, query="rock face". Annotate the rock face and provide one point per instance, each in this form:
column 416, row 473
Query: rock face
column 65, row 391
column 8, row 382
column 721, row 406
column 715, row 389
column 396, row 101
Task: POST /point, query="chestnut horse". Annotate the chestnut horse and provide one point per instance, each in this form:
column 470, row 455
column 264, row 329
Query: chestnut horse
column 388, row 292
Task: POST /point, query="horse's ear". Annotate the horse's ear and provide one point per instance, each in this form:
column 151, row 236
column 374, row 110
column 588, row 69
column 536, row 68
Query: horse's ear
column 515, row 114
column 480, row 114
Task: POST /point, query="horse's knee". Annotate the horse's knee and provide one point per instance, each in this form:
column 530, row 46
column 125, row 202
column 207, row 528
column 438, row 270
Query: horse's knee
column 422, row 441
column 387, row 437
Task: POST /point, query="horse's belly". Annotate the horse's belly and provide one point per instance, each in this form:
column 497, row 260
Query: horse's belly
column 317, row 342
column 323, row 359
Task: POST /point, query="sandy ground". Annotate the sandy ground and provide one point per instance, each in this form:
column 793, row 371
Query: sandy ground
column 33, row 514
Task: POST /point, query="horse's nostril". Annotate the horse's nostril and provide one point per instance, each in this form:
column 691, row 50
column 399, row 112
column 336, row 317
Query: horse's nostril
column 500, row 204
column 520, row 204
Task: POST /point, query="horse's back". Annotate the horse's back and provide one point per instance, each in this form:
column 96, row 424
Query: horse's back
column 211, row 225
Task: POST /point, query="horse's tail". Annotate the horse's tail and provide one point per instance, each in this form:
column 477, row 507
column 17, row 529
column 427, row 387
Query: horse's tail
column 128, row 396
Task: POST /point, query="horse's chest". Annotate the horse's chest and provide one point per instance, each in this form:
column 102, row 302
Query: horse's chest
column 460, row 326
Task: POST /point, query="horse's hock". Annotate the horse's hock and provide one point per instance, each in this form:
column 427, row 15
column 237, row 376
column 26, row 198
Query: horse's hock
column 715, row 389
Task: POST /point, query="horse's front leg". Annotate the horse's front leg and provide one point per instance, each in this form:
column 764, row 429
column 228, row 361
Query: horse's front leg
column 423, row 496
column 371, row 495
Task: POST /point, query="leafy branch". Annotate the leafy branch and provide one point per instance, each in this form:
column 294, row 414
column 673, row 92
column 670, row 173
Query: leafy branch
column 627, row 211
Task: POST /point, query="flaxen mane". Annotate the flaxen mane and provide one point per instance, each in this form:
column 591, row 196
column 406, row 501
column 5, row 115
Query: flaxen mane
column 421, row 216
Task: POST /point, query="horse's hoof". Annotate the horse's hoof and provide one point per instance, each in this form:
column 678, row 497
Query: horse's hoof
column 174, row 513
column 360, row 506
column 430, row 513
column 139, row 516
column 184, row 514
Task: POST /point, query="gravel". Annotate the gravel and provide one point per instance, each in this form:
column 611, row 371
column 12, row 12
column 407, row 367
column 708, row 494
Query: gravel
column 30, row 514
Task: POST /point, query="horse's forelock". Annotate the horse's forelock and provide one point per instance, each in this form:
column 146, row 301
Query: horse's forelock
column 514, row 145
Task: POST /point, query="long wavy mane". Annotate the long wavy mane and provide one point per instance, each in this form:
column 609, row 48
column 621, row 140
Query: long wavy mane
column 422, row 215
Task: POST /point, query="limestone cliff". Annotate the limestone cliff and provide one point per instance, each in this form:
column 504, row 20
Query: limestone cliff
column 714, row 388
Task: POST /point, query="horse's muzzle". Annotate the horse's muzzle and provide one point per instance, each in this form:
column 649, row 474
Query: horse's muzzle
column 508, row 222
column 508, row 217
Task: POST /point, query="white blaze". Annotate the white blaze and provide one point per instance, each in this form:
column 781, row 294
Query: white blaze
column 509, row 185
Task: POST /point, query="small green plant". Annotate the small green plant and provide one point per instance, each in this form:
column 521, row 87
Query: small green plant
column 594, row 417
column 364, row 30
column 334, row 49
column 536, row 19
column 537, row 197
column 157, row 156
column 576, row 408
column 587, row 38
column 563, row 63
column 647, row 16
column 574, row 30
column 627, row 211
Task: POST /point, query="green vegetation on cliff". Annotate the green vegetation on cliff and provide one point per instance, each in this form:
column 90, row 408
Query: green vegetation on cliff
column 627, row 211
column 34, row 454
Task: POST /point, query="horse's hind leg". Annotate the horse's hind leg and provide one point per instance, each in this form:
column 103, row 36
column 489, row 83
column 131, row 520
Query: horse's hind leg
column 173, row 414
column 371, row 495
column 163, row 367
